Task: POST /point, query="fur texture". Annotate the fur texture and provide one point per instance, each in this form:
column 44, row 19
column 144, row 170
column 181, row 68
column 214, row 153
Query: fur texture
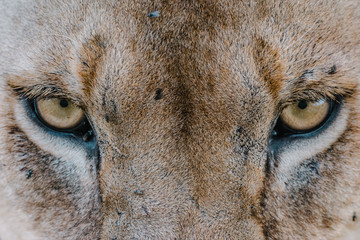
column 183, row 103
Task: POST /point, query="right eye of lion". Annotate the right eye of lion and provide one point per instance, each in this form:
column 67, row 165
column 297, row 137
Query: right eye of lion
column 303, row 117
column 59, row 114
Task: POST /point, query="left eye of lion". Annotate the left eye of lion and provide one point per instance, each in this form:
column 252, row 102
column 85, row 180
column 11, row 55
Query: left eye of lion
column 58, row 113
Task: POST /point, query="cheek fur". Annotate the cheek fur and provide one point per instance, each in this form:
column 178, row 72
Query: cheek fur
column 42, row 175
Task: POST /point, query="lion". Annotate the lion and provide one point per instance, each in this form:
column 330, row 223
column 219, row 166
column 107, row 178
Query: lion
column 184, row 119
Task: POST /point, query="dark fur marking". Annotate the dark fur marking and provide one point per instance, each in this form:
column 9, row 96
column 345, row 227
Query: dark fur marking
column 107, row 119
column 270, row 226
column 86, row 64
column 240, row 130
column 18, row 90
column 306, row 74
column 354, row 217
column 119, row 213
column 314, row 166
column 196, row 202
column 29, row 173
column 114, row 106
column 159, row 94
column 146, row 211
column 14, row 130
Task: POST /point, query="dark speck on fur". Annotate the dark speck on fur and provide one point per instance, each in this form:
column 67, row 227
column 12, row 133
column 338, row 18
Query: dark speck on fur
column 154, row 14
column 332, row 70
column 29, row 173
column 86, row 64
column 139, row 192
column 159, row 94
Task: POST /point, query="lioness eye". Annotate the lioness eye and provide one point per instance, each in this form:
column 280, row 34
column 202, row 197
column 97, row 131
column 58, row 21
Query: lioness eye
column 305, row 116
column 58, row 113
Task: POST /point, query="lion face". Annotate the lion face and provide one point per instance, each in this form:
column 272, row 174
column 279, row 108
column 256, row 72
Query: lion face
column 181, row 120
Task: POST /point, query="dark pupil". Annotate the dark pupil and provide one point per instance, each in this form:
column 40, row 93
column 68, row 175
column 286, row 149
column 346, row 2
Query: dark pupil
column 64, row 103
column 302, row 104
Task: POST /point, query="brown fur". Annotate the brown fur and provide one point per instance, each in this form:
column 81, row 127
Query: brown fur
column 182, row 106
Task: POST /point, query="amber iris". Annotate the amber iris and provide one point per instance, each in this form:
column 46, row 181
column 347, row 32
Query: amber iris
column 305, row 115
column 59, row 113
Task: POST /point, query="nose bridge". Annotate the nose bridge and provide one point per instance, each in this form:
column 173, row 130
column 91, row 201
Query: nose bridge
column 143, row 175
column 186, row 171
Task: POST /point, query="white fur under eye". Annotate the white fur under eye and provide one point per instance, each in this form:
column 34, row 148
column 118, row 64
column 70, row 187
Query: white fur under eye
column 73, row 155
column 304, row 148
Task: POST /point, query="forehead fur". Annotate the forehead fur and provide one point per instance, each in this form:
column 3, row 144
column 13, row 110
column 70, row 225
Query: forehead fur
column 282, row 41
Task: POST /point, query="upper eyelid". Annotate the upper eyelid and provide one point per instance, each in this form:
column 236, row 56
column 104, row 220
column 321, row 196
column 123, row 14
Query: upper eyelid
column 41, row 91
column 307, row 99
column 313, row 95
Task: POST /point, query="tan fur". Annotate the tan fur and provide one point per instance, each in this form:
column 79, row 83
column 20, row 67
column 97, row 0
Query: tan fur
column 182, row 106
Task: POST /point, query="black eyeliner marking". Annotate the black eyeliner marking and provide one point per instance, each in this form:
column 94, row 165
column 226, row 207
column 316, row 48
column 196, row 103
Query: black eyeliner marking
column 87, row 136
